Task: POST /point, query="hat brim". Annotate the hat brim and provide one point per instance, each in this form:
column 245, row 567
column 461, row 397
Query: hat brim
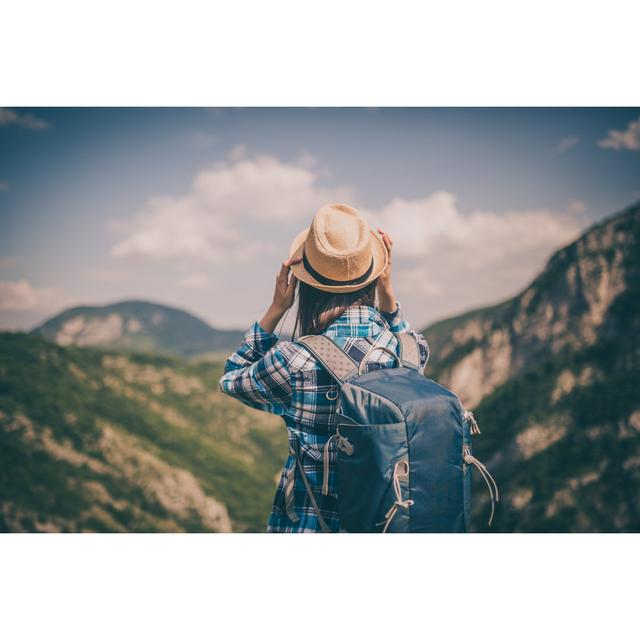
column 380, row 261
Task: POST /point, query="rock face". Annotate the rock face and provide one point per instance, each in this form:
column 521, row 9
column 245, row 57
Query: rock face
column 567, row 305
column 553, row 377
column 137, row 326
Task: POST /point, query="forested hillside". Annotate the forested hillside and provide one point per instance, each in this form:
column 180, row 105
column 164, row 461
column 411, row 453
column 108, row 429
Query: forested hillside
column 98, row 441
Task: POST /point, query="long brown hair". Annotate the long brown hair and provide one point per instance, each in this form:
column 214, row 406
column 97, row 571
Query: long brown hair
column 318, row 309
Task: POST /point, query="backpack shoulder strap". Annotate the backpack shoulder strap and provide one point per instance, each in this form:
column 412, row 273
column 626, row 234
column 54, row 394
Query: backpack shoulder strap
column 331, row 356
column 409, row 351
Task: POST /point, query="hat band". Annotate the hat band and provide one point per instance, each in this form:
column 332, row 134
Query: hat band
column 328, row 281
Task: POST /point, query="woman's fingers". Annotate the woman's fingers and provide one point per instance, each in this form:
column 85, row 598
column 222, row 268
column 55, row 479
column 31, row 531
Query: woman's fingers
column 388, row 242
column 284, row 271
column 283, row 275
column 285, row 286
column 286, row 279
column 291, row 261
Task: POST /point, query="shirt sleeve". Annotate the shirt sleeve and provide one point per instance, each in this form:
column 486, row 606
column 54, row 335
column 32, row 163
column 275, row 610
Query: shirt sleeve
column 398, row 324
column 257, row 373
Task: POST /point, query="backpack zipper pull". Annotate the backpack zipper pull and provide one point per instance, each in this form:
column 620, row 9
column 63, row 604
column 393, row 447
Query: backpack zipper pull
column 475, row 429
column 344, row 444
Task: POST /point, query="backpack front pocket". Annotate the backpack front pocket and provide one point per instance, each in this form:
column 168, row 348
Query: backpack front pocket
column 365, row 475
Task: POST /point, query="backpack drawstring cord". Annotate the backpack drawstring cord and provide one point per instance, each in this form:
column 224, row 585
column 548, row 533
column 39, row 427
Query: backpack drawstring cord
column 484, row 472
column 345, row 445
column 325, row 464
column 399, row 502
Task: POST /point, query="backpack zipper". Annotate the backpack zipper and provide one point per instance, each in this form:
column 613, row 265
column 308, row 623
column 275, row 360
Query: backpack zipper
column 343, row 445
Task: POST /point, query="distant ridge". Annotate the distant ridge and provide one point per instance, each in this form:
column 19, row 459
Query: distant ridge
column 138, row 326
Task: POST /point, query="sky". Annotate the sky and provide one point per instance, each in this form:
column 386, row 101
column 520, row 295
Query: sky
column 196, row 208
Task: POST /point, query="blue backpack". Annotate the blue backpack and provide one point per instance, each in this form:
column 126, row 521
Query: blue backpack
column 404, row 445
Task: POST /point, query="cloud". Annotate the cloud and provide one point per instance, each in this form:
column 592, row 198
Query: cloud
column 567, row 143
column 434, row 226
column 4, row 185
column 21, row 295
column 628, row 139
column 451, row 260
column 10, row 117
column 229, row 213
column 244, row 211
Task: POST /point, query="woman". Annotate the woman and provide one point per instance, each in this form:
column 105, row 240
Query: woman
column 338, row 266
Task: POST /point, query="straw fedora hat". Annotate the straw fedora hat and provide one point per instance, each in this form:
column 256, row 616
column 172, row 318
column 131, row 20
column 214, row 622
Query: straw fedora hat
column 339, row 251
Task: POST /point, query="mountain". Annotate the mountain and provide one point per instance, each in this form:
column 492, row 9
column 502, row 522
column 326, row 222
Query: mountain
column 134, row 325
column 105, row 440
column 94, row 440
column 553, row 376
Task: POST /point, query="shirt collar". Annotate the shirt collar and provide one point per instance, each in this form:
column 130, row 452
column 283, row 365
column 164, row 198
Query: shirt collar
column 359, row 321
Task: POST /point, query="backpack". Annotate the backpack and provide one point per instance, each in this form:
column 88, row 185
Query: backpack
column 403, row 446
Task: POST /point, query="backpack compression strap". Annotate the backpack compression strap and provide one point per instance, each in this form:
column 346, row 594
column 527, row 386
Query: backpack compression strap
column 409, row 351
column 331, row 357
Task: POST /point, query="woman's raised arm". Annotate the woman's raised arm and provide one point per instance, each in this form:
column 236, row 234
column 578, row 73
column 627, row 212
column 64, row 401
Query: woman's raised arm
column 257, row 374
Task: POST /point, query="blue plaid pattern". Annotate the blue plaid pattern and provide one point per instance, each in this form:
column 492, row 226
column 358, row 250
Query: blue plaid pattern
column 285, row 379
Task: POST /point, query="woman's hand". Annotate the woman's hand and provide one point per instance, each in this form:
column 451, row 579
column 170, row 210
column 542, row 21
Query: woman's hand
column 283, row 296
column 285, row 286
column 386, row 297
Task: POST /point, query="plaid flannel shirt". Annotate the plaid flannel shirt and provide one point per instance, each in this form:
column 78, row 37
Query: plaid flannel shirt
column 285, row 379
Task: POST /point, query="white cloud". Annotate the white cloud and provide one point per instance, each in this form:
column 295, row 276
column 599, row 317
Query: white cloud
column 10, row 117
column 628, row 139
column 21, row 295
column 223, row 216
column 247, row 209
column 434, row 226
column 567, row 143
column 451, row 261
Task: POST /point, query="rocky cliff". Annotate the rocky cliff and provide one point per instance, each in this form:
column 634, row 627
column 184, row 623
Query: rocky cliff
column 567, row 305
column 553, row 376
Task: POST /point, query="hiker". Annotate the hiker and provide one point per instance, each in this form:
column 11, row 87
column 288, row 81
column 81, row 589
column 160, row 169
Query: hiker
column 338, row 266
